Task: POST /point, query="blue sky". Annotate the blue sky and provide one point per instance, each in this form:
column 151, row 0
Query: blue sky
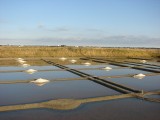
column 116, row 23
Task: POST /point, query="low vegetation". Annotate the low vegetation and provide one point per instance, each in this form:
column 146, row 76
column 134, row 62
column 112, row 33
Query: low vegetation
column 48, row 51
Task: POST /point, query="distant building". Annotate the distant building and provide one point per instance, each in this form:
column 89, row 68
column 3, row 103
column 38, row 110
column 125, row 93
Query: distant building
column 63, row 45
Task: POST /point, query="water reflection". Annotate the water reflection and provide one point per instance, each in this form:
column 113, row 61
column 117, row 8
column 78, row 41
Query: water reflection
column 148, row 83
column 47, row 75
column 113, row 72
column 28, row 93
column 110, row 110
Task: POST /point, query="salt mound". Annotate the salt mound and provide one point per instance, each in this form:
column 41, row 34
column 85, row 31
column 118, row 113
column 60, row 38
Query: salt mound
column 143, row 61
column 62, row 58
column 107, row 68
column 25, row 65
column 139, row 76
column 40, row 80
column 21, row 61
column 73, row 61
column 87, row 63
column 31, row 71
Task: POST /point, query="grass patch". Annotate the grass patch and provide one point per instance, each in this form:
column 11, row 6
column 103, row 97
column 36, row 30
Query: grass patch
column 40, row 51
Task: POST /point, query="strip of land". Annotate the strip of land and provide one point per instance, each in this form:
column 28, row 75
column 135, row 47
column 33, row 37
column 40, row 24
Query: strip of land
column 68, row 104
column 73, row 79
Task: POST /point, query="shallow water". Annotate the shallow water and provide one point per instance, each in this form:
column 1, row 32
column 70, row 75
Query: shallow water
column 113, row 72
column 29, row 92
column 8, row 68
column 148, row 83
column 125, row 109
column 47, row 75
column 76, row 89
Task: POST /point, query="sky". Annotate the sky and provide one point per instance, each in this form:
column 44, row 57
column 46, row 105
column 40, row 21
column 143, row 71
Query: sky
column 108, row 23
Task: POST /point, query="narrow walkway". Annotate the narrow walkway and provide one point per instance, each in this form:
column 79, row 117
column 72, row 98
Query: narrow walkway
column 144, row 64
column 68, row 104
column 99, row 68
column 109, row 84
column 69, row 79
column 120, row 64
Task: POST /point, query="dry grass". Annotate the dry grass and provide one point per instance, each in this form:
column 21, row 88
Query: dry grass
column 39, row 51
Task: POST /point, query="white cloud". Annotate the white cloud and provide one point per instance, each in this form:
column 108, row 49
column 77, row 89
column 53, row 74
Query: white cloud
column 57, row 29
column 94, row 30
column 62, row 35
column 40, row 26
column 3, row 21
